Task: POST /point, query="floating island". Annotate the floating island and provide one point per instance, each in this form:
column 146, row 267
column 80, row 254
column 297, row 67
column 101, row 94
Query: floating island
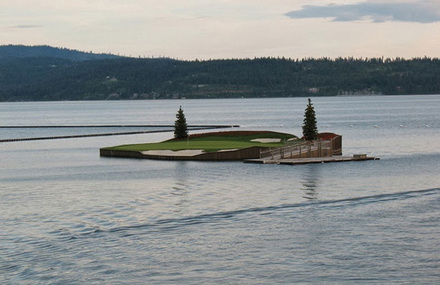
column 249, row 146
column 214, row 146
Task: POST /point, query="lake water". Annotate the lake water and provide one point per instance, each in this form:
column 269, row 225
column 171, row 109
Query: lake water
column 68, row 216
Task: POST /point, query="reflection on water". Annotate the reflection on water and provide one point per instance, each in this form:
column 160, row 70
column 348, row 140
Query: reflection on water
column 310, row 181
column 180, row 189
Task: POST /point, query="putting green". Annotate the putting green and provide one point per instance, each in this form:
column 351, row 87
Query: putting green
column 210, row 142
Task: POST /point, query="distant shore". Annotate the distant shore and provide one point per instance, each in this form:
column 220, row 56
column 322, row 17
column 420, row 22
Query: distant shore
column 60, row 75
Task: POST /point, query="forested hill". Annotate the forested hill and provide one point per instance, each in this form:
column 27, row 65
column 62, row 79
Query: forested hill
column 21, row 51
column 35, row 78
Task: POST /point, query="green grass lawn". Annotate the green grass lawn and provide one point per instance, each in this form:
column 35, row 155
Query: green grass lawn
column 212, row 142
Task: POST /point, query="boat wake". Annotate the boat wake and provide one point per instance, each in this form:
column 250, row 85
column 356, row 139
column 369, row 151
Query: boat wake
column 213, row 218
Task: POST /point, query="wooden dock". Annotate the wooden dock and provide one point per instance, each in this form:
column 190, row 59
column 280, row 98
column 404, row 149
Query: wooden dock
column 298, row 161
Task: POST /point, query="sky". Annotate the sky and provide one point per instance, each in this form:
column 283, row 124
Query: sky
column 214, row 29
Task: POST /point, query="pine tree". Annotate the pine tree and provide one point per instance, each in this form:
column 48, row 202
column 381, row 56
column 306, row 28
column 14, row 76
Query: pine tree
column 310, row 131
column 180, row 126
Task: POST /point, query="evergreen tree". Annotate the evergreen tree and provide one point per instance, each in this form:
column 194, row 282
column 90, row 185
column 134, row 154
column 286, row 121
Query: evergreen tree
column 180, row 126
column 310, row 131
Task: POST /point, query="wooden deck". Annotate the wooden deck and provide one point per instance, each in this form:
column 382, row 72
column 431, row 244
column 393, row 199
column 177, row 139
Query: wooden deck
column 297, row 161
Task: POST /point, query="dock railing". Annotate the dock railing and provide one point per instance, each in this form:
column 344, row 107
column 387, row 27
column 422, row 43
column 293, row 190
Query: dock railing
column 302, row 149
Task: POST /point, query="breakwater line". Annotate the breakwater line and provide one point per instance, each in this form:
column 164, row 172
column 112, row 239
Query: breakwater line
column 170, row 129
column 114, row 126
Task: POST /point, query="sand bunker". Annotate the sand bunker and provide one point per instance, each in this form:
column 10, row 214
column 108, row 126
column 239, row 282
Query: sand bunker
column 266, row 140
column 186, row 152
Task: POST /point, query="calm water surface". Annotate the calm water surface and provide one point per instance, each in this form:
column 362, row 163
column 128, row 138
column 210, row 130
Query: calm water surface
column 68, row 216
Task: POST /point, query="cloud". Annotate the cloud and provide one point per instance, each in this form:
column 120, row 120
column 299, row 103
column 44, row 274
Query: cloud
column 25, row 26
column 418, row 12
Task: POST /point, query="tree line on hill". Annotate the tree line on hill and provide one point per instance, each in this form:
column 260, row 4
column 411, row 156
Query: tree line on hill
column 54, row 77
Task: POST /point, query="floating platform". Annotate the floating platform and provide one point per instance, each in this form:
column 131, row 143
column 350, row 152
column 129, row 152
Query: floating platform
column 298, row 161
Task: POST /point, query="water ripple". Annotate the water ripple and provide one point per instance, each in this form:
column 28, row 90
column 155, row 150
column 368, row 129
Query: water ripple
column 171, row 224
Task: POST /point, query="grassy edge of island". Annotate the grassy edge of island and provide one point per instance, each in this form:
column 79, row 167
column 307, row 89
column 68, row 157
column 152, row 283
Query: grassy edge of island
column 214, row 141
